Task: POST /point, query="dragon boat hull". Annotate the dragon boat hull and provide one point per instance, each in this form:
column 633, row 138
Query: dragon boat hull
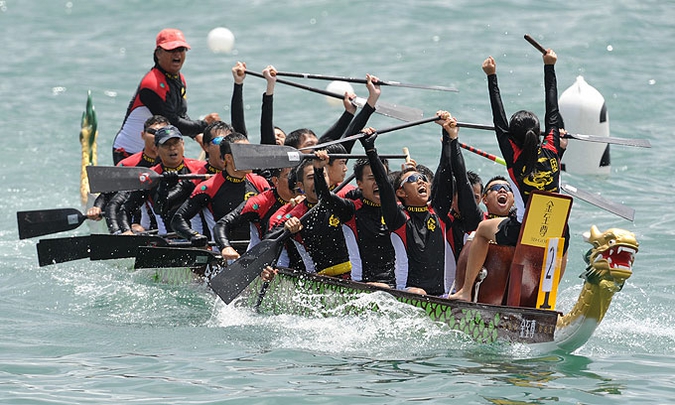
column 300, row 293
column 609, row 260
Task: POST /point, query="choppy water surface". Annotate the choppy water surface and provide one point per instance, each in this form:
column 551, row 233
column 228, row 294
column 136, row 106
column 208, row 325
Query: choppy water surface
column 95, row 332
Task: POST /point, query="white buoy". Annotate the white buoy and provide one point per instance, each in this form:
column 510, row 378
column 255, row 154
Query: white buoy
column 340, row 88
column 221, row 40
column 584, row 111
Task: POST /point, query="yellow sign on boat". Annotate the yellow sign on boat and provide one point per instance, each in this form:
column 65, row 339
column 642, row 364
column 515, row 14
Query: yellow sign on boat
column 546, row 218
column 550, row 274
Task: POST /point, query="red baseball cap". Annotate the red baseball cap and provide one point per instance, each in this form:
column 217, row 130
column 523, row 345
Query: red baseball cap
column 171, row 38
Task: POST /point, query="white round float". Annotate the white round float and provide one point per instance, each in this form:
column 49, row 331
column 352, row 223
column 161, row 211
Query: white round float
column 584, row 111
column 220, row 40
column 338, row 87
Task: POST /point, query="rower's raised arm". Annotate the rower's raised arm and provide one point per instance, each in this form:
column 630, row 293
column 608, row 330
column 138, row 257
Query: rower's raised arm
column 393, row 216
column 267, row 112
column 237, row 102
column 341, row 125
column 442, row 186
column 552, row 119
column 359, row 122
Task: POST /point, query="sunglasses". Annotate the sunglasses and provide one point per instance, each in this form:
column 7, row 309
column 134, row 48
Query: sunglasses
column 413, row 179
column 217, row 140
column 499, row 186
column 151, row 131
column 179, row 49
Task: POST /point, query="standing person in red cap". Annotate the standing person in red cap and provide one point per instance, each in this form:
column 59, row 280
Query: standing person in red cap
column 161, row 92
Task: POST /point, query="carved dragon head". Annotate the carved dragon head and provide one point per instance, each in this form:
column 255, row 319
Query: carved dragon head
column 612, row 255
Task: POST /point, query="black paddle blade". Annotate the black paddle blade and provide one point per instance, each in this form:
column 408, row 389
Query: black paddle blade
column 233, row 279
column 157, row 257
column 59, row 250
column 250, row 156
column 640, row 143
column 610, row 206
column 105, row 247
column 106, row 179
column 45, row 222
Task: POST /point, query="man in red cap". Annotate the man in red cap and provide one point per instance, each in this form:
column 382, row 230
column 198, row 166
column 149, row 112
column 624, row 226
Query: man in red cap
column 162, row 92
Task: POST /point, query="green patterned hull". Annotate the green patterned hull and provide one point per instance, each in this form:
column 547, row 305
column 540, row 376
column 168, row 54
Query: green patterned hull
column 312, row 295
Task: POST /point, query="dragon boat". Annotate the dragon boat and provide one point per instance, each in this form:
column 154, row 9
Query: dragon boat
column 609, row 262
column 515, row 302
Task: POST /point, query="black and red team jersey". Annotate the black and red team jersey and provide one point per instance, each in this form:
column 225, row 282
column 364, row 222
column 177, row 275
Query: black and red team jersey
column 159, row 93
column 256, row 211
column 164, row 198
column 545, row 176
column 220, row 194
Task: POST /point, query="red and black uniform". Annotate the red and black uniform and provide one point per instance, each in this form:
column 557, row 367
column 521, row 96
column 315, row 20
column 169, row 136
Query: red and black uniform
column 461, row 223
column 220, row 194
column 321, row 237
column 420, row 231
column 256, row 211
column 165, row 198
column 290, row 257
column 159, row 93
column 545, row 176
column 368, row 239
column 111, row 202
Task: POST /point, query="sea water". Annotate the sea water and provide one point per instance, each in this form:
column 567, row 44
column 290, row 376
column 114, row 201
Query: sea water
column 96, row 332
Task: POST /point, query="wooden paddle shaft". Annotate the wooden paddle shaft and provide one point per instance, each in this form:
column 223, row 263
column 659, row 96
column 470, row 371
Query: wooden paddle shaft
column 535, row 44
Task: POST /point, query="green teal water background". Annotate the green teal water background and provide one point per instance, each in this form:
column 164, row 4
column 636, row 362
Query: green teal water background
column 97, row 333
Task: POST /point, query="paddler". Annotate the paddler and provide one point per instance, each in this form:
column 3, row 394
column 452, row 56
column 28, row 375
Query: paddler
column 320, row 240
column 162, row 91
column 256, row 211
column 368, row 239
column 169, row 193
column 532, row 165
column 419, row 224
column 220, row 195
column 109, row 202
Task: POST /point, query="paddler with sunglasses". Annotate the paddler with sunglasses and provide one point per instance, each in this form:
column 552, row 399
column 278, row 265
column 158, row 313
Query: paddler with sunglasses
column 497, row 196
column 220, row 194
column 167, row 195
column 532, row 165
column 419, row 223
column 110, row 202
column 214, row 134
column 162, row 91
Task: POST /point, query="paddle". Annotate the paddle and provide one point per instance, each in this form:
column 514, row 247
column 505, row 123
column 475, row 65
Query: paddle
column 615, row 208
column 180, row 254
column 230, row 282
column 44, row 222
column 106, row 246
column 482, row 153
column 641, row 143
column 252, row 156
column 94, row 246
column 378, row 132
column 535, row 44
column 59, row 250
column 399, row 112
column 105, row 179
column 266, row 284
column 363, row 81
column 154, row 257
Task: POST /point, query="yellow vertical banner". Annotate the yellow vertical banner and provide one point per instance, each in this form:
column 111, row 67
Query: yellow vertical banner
column 88, row 135
column 550, row 274
column 546, row 217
